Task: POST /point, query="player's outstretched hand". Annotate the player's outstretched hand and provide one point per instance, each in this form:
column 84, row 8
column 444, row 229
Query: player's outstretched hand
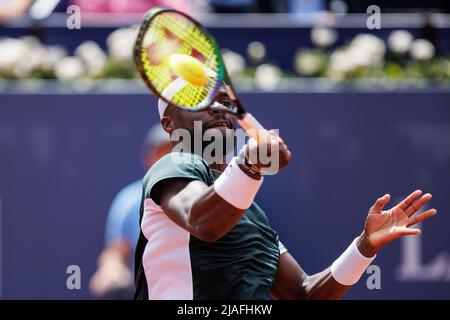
column 265, row 157
column 384, row 226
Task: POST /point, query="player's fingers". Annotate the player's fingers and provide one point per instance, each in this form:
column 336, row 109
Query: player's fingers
column 404, row 231
column 409, row 200
column 414, row 207
column 380, row 203
column 252, row 151
column 288, row 155
column 285, row 153
column 275, row 135
column 421, row 217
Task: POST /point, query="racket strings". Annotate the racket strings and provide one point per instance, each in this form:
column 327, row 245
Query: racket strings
column 173, row 33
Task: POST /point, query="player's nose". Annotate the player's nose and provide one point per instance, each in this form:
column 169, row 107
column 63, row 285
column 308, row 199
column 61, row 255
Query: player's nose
column 212, row 112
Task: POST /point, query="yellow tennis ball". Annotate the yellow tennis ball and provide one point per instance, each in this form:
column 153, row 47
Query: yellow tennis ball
column 189, row 68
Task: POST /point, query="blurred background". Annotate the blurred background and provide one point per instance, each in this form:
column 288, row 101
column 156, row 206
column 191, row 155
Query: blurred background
column 365, row 112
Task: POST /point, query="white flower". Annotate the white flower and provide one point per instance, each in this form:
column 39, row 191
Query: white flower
column 366, row 51
column 267, row 76
column 120, row 44
column 340, row 62
column 52, row 55
column 233, row 61
column 92, row 55
column 400, row 41
column 306, row 62
column 361, row 57
column 447, row 69
column 22, row 70
column 69, row 68
column 422, row 49
column 31, row 41
column 12, row 53
column 38, row 57
column 256, row 51
column 20, row 57
column 323, row 37
column 370, row 42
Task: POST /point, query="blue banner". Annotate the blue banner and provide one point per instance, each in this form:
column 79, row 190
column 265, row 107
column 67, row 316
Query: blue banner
column 64, row 157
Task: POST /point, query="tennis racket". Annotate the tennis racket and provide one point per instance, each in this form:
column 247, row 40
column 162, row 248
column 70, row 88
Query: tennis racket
column 167, row 32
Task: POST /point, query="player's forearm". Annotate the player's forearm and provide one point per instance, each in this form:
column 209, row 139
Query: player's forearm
column 210, row 212
column 200, row 210
column 222, row 205
column 322, row 286
column 211, row 217
column 292, row 282
column 345, row 271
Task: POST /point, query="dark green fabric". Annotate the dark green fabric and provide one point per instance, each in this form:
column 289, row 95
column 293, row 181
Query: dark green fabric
column 240, row 265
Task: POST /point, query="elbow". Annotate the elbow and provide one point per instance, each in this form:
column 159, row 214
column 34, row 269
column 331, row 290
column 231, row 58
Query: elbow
column 208, row 236
column 204, row 226
column 208, row 232
column 205, row 231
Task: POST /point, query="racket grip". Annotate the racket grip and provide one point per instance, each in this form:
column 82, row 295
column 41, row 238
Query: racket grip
column 253, row 128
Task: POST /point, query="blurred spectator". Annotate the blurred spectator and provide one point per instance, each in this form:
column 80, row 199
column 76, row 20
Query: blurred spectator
column 248, row 6
column 306, row 6
column 11, row 9
column 402, row 6
column 129, row 6
column 234, row 6
column 113, row 278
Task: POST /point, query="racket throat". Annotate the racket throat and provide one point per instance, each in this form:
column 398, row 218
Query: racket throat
column 217, row 106
column 253, row 128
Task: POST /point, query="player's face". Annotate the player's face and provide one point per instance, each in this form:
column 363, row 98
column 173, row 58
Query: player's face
column 205, row 127
column 209, row 119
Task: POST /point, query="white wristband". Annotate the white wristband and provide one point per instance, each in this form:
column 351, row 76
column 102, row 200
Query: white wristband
column 236, row 187
column 348, row 268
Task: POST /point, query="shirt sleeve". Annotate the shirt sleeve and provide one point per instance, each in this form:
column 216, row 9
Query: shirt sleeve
column 177, row 165
column 281, row 247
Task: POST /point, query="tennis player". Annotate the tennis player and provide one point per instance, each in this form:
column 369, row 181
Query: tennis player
column 113, row 279
column 203, row 236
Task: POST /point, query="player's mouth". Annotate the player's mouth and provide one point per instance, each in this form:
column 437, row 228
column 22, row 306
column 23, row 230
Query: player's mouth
column 220, row 125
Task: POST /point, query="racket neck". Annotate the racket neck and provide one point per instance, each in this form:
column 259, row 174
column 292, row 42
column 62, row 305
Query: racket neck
column 253, row 128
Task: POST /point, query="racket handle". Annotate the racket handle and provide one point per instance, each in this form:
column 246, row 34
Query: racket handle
column 254, row 128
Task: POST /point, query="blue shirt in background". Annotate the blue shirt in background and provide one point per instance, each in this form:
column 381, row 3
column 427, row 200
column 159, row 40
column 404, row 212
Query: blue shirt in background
column 122, row 222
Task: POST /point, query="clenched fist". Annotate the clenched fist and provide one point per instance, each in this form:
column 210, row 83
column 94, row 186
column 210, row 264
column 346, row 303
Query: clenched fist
column 266, row 157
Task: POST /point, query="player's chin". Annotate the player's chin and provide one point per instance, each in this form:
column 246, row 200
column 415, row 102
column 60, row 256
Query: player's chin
column 219, row 131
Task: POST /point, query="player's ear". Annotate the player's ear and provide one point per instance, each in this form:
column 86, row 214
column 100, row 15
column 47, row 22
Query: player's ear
column 168, row 124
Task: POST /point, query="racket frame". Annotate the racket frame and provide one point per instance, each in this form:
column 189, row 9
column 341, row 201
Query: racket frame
column 245, row 119
column 138, row 47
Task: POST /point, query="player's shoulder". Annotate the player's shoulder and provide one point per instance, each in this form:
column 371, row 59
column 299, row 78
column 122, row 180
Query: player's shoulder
column 177, row 159
column 177, row 164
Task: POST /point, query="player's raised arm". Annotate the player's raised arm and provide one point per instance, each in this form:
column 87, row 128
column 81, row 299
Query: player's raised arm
column 210, row 212
column 381, row 228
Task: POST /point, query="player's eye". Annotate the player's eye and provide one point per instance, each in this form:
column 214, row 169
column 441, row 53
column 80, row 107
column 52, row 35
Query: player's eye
column 226, row 104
